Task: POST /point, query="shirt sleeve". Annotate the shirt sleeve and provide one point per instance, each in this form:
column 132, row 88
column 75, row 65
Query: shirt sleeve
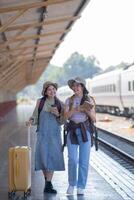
column 34, row 116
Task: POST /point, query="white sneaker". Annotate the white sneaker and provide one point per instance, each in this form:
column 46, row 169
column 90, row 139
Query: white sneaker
column 80, row 191
column 70, row 190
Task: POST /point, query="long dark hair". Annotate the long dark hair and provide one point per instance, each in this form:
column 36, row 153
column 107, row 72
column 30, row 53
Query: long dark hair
column 84, row 98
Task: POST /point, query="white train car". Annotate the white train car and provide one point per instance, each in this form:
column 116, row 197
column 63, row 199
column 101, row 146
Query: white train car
column 106, row 90
column 127, row 90
column 114, row 92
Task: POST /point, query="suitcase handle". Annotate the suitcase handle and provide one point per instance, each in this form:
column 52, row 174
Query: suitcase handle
column 28, row 137
column 16, row 168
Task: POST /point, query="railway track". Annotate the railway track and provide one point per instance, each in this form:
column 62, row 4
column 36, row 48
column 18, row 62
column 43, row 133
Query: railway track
column 120, row 149
column 114, row 161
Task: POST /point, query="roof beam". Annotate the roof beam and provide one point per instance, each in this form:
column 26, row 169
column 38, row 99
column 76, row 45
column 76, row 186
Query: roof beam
column 20, row 44
column 31, row 53
column 12, row 68
column 24, row 38
column 46, row 22
column 18, row 54
column 11, row 20
column 32, row 46
column 6, row 65
column 31, row 5
column 13, row 38
column 14, row 73
column 39, row 52
column 23, row 8
column 30, row 58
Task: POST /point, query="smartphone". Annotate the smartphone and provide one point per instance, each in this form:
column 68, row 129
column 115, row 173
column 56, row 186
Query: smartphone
column 53, row 105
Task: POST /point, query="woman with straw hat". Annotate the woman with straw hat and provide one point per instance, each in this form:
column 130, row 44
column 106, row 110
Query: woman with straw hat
column 47, row 116
column 79, row 112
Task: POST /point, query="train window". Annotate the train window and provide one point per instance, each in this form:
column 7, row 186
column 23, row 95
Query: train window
column 105, row 88
column 102, row 88
column 129, row 86
column 114, row 88
column 111, row 88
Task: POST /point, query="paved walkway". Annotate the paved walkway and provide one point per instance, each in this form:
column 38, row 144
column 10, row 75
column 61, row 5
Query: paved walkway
column 97, row 188
column 13, row 132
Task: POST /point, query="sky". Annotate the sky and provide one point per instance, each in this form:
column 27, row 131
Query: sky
column 105, row 30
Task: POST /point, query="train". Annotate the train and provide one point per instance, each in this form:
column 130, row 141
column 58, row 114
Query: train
column 113, row 92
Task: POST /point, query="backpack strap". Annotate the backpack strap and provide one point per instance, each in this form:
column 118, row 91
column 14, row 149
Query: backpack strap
column 94, row 129
column 41, row 104
column 58, row 104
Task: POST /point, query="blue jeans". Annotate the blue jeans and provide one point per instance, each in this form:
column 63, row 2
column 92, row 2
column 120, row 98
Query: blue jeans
column 78, row 160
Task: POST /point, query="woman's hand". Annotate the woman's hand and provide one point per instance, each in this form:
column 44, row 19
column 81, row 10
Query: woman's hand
column 81, row 109
column 55, row 111
column 29, row 123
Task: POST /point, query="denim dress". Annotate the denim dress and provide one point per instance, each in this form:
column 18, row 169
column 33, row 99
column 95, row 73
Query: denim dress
column 48, row 154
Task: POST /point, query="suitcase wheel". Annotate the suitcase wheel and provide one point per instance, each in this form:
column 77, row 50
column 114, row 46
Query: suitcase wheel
column 27, row 193
column 11, row 194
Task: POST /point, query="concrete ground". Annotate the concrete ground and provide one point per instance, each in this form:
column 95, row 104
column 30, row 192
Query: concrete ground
column 13, row 132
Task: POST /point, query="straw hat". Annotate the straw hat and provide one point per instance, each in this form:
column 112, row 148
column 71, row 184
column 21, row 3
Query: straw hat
column 47, row 84
column 78, row 80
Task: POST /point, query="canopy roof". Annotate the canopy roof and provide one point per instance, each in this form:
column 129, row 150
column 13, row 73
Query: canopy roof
column 31, row 31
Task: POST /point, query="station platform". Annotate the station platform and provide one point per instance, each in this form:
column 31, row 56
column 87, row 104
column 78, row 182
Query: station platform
column 121, row 126
column 13, row 132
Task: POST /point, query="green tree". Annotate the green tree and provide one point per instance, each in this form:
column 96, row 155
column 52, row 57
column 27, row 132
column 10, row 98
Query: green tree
column 78, row 65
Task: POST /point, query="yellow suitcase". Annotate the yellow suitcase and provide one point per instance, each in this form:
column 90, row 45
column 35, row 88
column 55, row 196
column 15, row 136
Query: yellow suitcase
column 19, row 170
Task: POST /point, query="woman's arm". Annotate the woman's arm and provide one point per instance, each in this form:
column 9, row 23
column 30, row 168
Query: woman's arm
column 92, row 114
column 68, row 113
column 34, row 118
column 89, row 109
